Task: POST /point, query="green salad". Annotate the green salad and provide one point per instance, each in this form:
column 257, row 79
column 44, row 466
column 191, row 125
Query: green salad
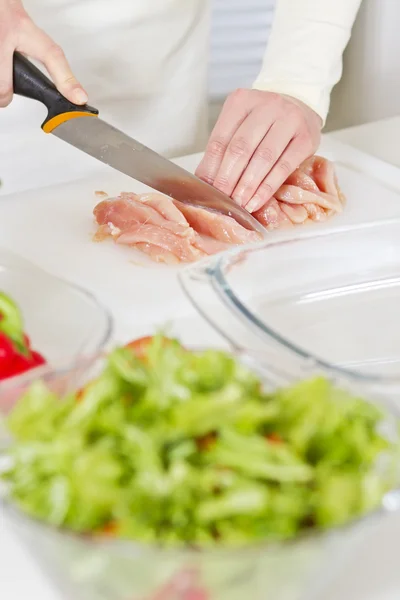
column 179, row 447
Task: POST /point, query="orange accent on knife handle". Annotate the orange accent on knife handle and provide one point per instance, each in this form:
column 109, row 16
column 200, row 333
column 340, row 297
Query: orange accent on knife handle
column 51, row 123
column 30, row 82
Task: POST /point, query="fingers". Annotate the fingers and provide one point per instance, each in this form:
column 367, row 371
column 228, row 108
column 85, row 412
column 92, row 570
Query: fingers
column 18, row 32
column 259, row 140
column 240, row 150
column 60, row 72
column 288, row 162
column 264, row 158
column 232, row 116
column 38, row 45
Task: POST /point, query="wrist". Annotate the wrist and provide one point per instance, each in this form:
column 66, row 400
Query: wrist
column 310, row 96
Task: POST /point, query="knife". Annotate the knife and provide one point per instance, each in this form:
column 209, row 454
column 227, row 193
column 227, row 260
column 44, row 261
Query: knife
column 81, row 127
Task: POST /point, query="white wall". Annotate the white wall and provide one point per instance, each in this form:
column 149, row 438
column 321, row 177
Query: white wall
column 370, row 86
column 239, row 35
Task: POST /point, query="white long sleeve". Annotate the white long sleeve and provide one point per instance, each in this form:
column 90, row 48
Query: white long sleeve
column 304, row 54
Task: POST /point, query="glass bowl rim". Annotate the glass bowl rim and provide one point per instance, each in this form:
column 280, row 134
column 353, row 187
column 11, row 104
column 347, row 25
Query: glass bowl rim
column 216, row 266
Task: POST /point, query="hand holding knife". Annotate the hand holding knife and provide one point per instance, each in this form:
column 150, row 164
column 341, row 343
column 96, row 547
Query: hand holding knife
column 81, row 127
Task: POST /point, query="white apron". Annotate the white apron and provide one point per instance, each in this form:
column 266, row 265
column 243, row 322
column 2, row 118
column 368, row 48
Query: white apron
column 144, row 66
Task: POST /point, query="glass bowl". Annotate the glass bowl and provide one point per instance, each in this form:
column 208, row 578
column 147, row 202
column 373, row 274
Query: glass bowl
column 326, row 299
column 64, row 323
column 85, row 568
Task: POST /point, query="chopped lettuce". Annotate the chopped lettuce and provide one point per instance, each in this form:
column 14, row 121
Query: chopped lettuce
column 175, row 447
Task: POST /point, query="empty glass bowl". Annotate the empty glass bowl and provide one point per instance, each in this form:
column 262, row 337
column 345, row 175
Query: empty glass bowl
column 325, row 298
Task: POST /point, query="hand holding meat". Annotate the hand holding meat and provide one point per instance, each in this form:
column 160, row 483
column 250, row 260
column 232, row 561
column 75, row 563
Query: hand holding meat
column 19, row 32
column 259, row 140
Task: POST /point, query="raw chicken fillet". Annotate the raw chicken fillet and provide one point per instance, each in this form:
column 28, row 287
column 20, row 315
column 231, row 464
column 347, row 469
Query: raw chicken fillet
column 311, row 193
column 171, row 232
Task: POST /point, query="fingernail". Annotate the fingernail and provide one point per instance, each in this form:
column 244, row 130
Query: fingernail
column 253, row 204
column 80, row 96
column 236, row 198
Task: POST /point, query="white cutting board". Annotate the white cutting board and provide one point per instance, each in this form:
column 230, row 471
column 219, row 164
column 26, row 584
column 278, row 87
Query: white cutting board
column 53, row 228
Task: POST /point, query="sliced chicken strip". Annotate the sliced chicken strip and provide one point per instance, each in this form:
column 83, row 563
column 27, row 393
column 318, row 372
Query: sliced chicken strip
column 296, row 213
column 126, row 211
column 302, row 180
column 165, row 207
column 157, row 253
column 323, row 172
column 220, row 227
column 162, row 238
column 316, row 213
column 209, row 245
column 293, row 194
column 271, row 215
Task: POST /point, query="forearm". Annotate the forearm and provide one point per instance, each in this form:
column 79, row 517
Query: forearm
column 304, row 54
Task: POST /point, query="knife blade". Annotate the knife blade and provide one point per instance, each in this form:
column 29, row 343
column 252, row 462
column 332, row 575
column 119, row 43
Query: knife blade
column 127, row 155
column 81, row 127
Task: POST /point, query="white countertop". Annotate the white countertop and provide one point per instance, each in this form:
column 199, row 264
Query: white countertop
column 380, row 139
column 374, row 573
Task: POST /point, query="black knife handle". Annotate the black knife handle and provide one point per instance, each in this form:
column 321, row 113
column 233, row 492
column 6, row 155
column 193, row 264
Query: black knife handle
column 30, row 82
